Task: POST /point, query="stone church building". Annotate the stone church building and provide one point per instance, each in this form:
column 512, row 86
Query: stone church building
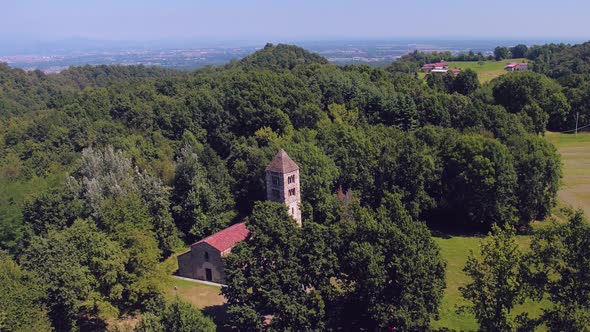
column 204, row 259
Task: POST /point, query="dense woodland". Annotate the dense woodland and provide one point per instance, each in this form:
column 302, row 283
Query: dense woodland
column 107, row 171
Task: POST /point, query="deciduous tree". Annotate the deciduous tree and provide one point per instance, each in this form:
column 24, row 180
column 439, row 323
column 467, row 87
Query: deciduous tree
column 497, row 280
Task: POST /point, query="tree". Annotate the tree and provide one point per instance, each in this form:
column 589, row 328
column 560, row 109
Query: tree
column 501, row 53
column 519, row 51
column 156, row 197
column 466, row 82
column 55, row 209
column 392, row 273
column 496, row 284
column 92, row 276
column 532, row 94
column 21, row 299
column 436, row 82
column 107, row 178
column 266, row 278
column 538, row 170
column 560, row 259
column 201, row 205
column 177, row 316
column 405, row 166
column 318, row 173
column 353, row 152
column 68, row 284
column 559, row 108
column 478, row 182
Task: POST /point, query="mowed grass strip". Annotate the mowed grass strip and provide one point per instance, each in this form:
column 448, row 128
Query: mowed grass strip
column 575, row 155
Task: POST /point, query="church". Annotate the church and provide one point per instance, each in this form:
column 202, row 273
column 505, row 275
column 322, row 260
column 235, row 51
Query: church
column 204, row 260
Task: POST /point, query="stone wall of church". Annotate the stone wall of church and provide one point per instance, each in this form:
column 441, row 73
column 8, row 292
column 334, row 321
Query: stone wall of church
column 194, row 263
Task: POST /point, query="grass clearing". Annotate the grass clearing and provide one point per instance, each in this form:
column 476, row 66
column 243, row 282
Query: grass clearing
column 200, row 295
column 486, row 70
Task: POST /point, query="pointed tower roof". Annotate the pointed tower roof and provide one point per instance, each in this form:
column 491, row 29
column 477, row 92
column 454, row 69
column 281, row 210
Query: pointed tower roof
column 281, row 163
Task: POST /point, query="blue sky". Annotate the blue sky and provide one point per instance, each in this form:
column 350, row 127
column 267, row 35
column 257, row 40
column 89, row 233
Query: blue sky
column 290, row 20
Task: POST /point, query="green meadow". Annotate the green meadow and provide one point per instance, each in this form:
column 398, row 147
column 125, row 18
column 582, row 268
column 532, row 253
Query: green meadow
column 486, row 70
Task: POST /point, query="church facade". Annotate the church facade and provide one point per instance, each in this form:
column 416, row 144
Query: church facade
column 204, row 260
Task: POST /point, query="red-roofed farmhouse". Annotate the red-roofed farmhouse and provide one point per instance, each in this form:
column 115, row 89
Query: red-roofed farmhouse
column 517, row 66
column 435, row 66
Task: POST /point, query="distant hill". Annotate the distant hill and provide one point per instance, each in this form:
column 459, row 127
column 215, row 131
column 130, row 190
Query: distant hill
column 280, row 56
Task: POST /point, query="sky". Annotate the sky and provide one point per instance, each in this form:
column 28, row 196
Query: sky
column 292, row 20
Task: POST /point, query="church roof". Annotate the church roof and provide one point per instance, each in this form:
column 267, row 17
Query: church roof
column 227, row 238
column 281, row 163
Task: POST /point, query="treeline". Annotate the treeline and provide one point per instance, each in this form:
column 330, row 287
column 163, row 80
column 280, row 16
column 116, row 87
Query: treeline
column 534, row 52
column 110, row 170
column 570, row 67
column 422, row 58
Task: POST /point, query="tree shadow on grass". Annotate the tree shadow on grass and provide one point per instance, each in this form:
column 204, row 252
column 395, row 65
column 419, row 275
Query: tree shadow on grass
column 219, row 315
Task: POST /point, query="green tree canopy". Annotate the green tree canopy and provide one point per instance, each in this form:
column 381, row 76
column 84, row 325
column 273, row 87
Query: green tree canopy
column 266, row 277
column 22, row 298
column 497, row 281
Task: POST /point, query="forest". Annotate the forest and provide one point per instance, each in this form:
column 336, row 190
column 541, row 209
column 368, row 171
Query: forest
column 106, row 171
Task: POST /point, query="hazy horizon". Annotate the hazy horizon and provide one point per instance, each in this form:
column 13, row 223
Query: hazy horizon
column 267, row 20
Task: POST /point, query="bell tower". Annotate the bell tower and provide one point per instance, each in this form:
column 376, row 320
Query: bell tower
column 282, row 184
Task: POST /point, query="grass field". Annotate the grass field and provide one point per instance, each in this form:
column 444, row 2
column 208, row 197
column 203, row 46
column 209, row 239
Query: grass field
column 486, row 70
column 575, row 154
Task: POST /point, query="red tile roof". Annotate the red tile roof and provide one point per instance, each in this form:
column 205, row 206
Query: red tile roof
column 433, row 65
column 227, row 238
column 281, row 163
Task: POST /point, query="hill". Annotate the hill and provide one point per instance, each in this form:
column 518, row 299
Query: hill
column 280, row 56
